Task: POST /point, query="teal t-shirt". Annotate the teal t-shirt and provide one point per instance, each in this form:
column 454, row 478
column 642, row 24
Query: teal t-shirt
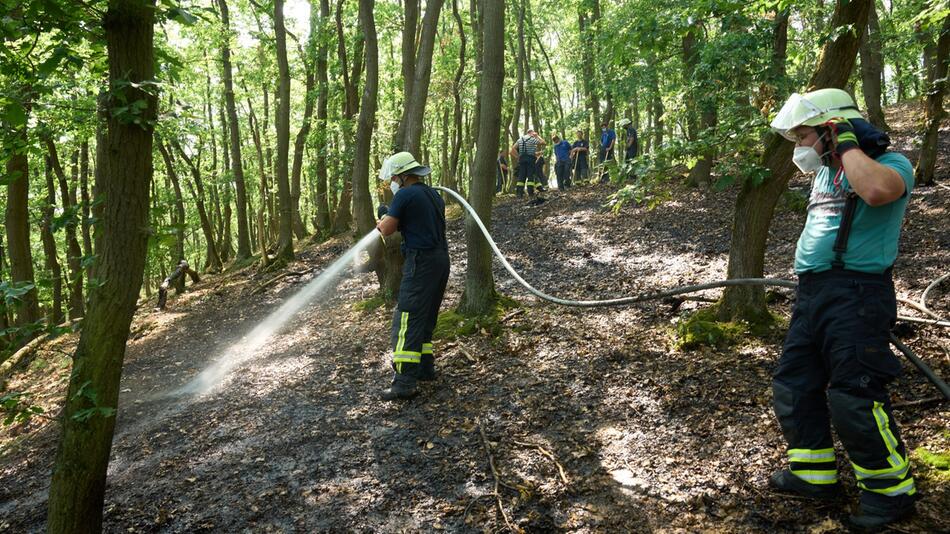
column 872, row 245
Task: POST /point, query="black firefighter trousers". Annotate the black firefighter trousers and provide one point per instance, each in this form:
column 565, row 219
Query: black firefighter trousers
column 424, row 277
column 834, row 368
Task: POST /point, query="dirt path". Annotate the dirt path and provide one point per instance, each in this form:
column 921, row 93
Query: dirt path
column 649, row 438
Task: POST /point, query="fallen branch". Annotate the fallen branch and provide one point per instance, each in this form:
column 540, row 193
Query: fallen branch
column 28, row 349
column 549, row 455
column 928, row 400
column 935, row 283
column 498, row 481
column 260, row 288
column 918, row 307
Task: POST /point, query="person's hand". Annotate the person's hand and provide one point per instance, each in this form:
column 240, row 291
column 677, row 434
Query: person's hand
column 842, row 135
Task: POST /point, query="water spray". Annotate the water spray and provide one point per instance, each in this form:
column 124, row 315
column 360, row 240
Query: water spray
column 249, row 345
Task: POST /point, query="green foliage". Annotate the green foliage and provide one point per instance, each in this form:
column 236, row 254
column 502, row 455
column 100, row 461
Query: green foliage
column 15, row 410
column 91, row 396
column 452, row 325
column 794, row 201
column 934, row 464
column 369, row 304
column 701, row 328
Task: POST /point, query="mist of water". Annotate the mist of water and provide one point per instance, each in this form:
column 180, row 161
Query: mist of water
column 249, row 346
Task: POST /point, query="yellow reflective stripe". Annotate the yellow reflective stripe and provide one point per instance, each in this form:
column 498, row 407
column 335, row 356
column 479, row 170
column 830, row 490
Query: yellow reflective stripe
column 427, row 348
column 401, row 338
column 817, row 476
column 889, row 440
column 811, row 455
column 407, row 359
column 906, row 486
column 897, row 472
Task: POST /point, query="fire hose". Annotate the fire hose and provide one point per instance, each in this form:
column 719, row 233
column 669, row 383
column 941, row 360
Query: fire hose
column 641, row 297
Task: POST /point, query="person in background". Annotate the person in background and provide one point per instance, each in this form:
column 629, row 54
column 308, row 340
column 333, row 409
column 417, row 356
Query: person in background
column 837, row 361
column 580, row 151
column 501, row 171
column 541, row 172
column 525, row 149
column 631, row 146
column 608, row 138
column 418, row 213
column 180, row 270
column 562, row 163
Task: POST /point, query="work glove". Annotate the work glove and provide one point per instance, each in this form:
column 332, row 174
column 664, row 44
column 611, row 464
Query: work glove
column 843, row 136
column 164, row 285
column 382, row 211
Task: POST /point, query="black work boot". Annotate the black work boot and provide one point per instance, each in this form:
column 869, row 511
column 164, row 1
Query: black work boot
column 427, row 368
column 785, row 481
column 403, row 386
column 878, row 511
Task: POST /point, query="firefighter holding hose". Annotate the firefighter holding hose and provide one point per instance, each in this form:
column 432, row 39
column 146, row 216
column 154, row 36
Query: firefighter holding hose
column 836, row 361
column 418, row 213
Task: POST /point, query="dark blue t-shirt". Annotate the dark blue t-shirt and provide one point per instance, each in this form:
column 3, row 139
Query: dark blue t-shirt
column 581, row 156
column 608, row 137
column 562, row 150
column 421, row 214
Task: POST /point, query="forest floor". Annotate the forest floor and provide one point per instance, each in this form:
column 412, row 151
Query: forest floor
column 582, row 420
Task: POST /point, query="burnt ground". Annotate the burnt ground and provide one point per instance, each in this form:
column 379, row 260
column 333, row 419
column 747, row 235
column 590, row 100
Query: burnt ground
column 650, row 438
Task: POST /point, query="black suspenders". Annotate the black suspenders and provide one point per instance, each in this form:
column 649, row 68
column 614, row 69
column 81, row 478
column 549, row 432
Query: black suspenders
column 844, row 229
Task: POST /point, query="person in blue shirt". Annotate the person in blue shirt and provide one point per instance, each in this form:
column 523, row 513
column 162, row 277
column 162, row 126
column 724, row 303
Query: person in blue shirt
column 562, row 163
column 418, row 213
column 580, row 150
column 836, row 361
column 608, row 138
column 631, row 146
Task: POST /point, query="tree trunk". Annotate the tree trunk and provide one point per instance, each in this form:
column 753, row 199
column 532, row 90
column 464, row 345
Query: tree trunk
column 237, row 168
column 213, row 262
column 755, row 204
column 300, row 229
column 924, row 172
column 86, row 202
column 409, row 137
column 224, row 243
column 73, row 250
column 285, row 244
column 872, row 67
column 55, row 314
column 321, row 200
column 123, row 171
column 453, row 163
column 17, row 221
column 362, row 202
column 479, row 294
column 179, row 214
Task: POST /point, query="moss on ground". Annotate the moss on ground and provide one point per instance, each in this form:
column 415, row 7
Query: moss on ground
column 369, row 304
column 701, row 328
column 932, row 465
column 452, row 325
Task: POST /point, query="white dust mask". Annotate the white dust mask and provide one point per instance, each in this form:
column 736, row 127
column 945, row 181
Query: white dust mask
column 394, row 186
column 806, row 158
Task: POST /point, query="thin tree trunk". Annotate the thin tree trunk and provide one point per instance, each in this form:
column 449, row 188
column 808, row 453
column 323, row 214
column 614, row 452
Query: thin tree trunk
column 479, row 294
column 410, row 127
column 872, row 67
column 17, row 222
column 179, row 214
column 213, row 262
column 285, row 244
column 321, row 200
column 123, row 170
column 84, row 196
column 300, row 141
column 73, row 250
column 54, row 315
column 237, row 168
column 755, row 204
column 362, row 202
column 924, row 172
